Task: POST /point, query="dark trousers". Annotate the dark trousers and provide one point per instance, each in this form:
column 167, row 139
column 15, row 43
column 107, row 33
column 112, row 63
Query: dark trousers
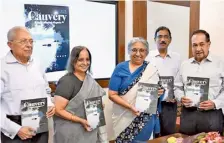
column 38, row 138
column 168, row 117
column 193, row 121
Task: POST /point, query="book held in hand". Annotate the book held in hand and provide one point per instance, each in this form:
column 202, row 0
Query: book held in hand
column 197, row 89
column 94, row 112
column 33, row 114
column 147, row 98
column 168, row 83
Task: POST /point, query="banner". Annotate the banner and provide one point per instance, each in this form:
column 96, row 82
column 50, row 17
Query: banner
column 49, row 26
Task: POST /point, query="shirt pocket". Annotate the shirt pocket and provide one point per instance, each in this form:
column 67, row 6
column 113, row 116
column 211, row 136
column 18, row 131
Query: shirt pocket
column 17, row 91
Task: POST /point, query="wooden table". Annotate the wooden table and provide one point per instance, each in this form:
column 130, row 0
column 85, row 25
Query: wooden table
column 164, row 138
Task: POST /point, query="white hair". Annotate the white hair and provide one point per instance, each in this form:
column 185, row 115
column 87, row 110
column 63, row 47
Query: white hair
column 138, row 39
column 12, row 32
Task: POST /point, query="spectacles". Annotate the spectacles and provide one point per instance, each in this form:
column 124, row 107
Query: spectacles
column 24, row 41
column 134, row 50
column 163, row 36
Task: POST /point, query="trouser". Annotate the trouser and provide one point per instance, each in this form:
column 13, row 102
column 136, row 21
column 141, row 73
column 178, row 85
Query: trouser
column 38, row 138
column 168, row 117
column 194, row 121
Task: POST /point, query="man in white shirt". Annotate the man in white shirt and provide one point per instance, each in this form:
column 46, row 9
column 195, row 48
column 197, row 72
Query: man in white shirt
column 208, row 116
column 167, row 63
column 21, row 78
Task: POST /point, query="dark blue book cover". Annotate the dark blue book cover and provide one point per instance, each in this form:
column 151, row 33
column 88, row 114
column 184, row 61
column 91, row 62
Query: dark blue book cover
column 49, row 26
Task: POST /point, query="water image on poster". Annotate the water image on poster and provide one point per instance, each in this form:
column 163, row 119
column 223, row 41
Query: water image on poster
column 49, row 27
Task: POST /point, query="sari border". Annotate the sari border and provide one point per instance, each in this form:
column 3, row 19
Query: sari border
column 136, row 80
column 121, row 117
column 135, row 127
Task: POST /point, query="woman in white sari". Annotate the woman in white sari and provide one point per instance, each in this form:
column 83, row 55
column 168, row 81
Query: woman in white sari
column 130, row 125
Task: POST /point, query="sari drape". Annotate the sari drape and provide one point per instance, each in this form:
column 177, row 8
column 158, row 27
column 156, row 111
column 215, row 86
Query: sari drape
column 127, row 127
column 70, row 132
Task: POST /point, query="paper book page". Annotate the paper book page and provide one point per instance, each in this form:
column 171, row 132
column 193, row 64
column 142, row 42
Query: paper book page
column 194, row 94
column 142, row 101
column 93, row 117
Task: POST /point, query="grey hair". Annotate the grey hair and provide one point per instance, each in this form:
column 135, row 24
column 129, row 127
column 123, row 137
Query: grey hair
column 135, row 40
column 12, row 32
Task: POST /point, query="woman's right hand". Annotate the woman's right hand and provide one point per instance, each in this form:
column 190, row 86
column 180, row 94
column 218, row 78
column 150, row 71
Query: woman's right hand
column 134, row 110
column 186, row 101
column 86, row 125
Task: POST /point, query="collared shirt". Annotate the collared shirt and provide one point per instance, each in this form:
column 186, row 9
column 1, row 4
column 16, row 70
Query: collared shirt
column 211, row 67
column 167, row 66
column 19, row 82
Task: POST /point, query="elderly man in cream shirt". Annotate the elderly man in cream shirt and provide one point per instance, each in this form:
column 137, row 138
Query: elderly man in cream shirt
column 21, row 78
column 208, row 116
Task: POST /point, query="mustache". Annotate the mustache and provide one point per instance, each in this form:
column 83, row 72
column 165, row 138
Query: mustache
column 163, row 42
column 198, row 52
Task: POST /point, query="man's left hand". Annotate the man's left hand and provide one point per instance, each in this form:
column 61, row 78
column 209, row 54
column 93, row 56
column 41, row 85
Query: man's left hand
column 207, row 105
column 50, row 112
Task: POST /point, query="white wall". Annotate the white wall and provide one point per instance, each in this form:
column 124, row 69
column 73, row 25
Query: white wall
column 176, row 18
column 212, row 20
column 92, row 24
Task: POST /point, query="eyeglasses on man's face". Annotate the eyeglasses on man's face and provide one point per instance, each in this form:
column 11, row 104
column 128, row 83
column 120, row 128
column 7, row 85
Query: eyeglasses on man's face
column 24, row 41
column 166, row 37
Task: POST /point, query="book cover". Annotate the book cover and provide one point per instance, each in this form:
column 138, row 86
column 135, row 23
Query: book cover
column 49, row 27
column 33, row 114
column 94, row 112
column 147, row 98
column 197, row 89
column 168, row 83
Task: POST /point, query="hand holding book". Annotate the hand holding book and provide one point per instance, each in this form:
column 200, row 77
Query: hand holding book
column 207, row 105
column 134, row 110
column 50, row 112
column 26, row 133
column 186, row 101
column 86, row 125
